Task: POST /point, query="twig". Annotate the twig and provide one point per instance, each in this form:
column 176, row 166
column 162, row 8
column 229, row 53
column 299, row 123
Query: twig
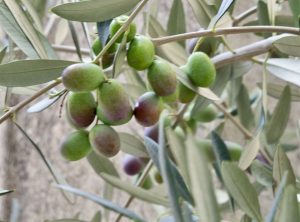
column 244, row 15
column 72, row 49
column 121, row 30
column 225, row 31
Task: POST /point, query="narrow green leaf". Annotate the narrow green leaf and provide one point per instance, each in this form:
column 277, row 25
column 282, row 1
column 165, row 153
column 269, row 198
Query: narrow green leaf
column 275, row 90
column 263, row 16
column 4, row 192
column 101, row 164
column 285, row 69
column 281, row 165
column 289, row 45
column 75, row 39
column 2, row 54
column 262, row 173
column 33, row 14
column 290, row 211
column 97, row 217
column 167, row 172
column 250, row 152
column 242, row 191
column 140, row 193
column 176, row 21
column 94, row 10
column 222, row 10
column 31, row 72
column 59, row 179
column 11, row 27
column 295, row 8
column 220, row 148
column 105, row 203
column 120, row 56
column 132, row 145
column 27, row 27
column 279, row 120
column 244, row 107
column 43, row 104
column 202, row 189
column 271, row 215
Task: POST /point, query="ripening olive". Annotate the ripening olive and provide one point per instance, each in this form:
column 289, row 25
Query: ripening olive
column 132, row 165
column 117, row 23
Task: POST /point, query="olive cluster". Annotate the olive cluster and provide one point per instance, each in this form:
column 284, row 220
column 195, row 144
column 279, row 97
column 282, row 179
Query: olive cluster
column 98, row 103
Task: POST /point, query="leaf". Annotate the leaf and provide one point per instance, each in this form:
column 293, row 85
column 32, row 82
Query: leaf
column 244, row 107
column 97, row 217
column 279, row 120
column 281, row 165
column 205, row 92
column 27, row 27
column 55, row 174
column 2, row 54
column 275, row 90
column 289, row 45
column 295, row 8
column 174, row 52
column 250, row 152
column 4, row 192
column 222, row 10
column 140, row 193
column 11, row 27
column 31, row 72
column 75, row 39
column 290, row 209
column 120, row 56
column 202, row 189
column 263, row 16
column 167, row 172
column 105, row 203
column 103, row 31
column 42, row 104
column 176, row 21
column 101, row 164
column 132, row 145
column 94, row 10
column 240, row 188
column 220, row 148
column 262, row 173
column 285, row 69
column 271, row 215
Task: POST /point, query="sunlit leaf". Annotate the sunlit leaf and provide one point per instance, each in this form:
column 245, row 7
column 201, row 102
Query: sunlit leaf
column 240, row 188
column 132, row 145
column 42, row 104
column 202, row 189
column 244, row 107
column 105, row 203
column 101, row 164
column 4, row 192
column 140, row 193
column 279, row 120
column 31, row 72
column 94, row 10
column 289, row 45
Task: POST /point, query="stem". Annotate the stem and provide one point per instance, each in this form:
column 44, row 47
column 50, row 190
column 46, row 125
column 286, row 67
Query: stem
column 123, row 28
column 22, row 104
column 244, row 15
column 72, row 49
column 246, row 133
column 140, row 181
column 225, row 31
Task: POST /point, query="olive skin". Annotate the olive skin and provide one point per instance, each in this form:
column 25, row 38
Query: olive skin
column 113, row 103
column 162, row 78
column 152, row 132
column 81, row 109
column 76, row 145
column 132, row 165
column 148, row 184
column 104, row 140
column 200, row 69
column 206, row 115
column 82, row 77
column 148, row 108
column 140, row 53
column 185, row 94
column 116, row 24
column 97, row 47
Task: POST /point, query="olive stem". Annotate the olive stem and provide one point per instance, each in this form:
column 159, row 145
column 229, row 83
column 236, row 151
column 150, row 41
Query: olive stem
column 225, row 31
column 244, row 15
column 12, row 110
column 121, row 30
column 140, row 181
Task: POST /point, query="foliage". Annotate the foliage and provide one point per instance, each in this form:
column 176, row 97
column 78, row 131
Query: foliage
column 186, row 166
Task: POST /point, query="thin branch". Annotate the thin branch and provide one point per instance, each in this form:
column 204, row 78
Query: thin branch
column 244, row 15
column 25, row 102
column 123, row 28
column 71, row 49
column 225, row 31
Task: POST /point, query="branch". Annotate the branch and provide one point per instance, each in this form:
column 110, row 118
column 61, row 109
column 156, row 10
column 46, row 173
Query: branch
column 225, row 31
column 244, row 15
